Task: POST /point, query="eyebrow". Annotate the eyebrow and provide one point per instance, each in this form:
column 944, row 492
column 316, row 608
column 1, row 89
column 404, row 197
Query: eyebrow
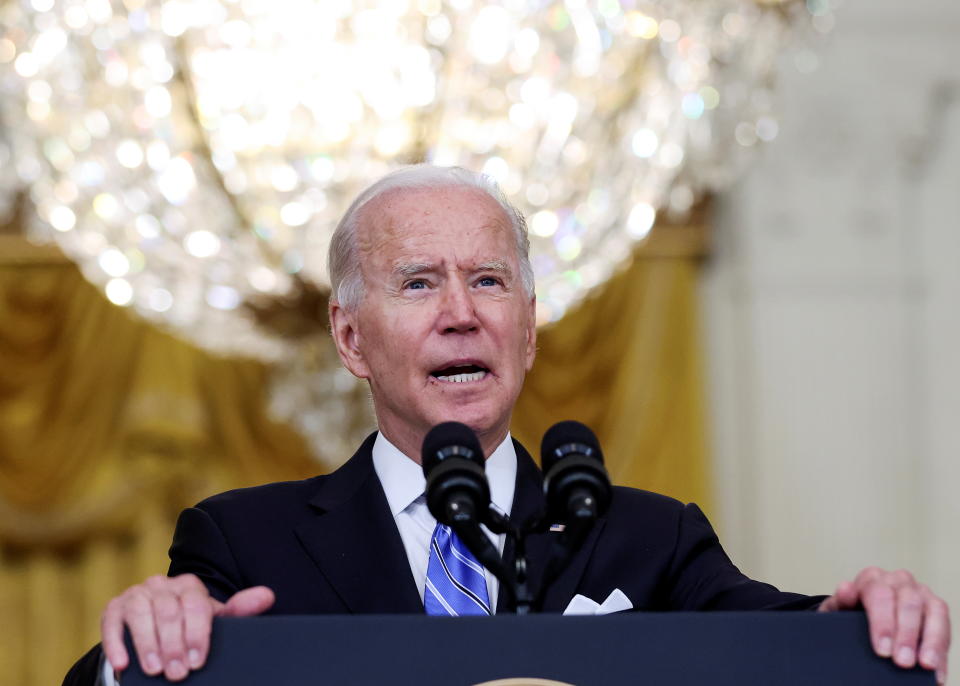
column 494, row 266
column 414, row 268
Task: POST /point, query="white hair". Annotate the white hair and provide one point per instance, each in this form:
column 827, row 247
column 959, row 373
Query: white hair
column 343, row 259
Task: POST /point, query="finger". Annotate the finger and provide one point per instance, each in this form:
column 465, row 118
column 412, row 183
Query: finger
column 848, row 596
column 910, row 606
column 901, row 578
column 942, row 672
column 936, row 633
column 169, row 620
column 186, row 582
column 111, row 634
column 138, row 612
column 249, row 601
column 829, row 605
column 879, row 602
column 868, row 576
column 197, row 619
column 845, row 597
column 198, row 610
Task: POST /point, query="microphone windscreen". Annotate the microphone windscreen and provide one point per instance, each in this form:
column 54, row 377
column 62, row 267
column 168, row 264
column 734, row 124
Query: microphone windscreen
column 450, row 439
column 565, row 438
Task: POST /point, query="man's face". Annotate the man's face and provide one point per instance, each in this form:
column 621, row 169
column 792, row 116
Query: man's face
column 445, row 330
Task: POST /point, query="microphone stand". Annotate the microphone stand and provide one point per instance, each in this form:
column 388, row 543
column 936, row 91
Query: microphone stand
column 581, row 517
column 517, row 582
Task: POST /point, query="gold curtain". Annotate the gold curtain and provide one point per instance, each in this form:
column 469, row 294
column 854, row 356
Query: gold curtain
column 108, row 427
column 627, row 363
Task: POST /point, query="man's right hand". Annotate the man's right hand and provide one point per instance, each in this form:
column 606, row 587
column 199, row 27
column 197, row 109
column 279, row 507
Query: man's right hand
column 170, row 620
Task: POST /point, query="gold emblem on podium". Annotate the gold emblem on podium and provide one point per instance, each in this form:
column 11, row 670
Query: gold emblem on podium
column 524, row 681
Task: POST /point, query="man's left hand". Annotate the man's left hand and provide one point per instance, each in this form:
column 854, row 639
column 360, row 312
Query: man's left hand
column 907, row 621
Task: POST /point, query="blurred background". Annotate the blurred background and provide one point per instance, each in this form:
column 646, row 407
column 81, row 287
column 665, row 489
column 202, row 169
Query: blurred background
column 744, row 226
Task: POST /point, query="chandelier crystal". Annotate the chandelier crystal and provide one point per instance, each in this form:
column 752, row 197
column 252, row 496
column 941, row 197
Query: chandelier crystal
column 193, row 156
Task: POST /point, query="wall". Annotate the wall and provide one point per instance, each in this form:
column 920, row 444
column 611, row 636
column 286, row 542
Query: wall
column 832, row 317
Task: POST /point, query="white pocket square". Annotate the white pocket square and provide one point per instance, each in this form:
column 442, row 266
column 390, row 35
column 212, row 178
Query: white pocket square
column 617, row 601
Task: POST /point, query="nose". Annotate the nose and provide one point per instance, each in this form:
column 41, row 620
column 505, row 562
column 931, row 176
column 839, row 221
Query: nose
column 458, row 312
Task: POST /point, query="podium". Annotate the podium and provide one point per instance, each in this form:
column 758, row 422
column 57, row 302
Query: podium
column 679, row 649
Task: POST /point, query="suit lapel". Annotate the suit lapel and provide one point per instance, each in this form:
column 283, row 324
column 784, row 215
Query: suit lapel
column 355, row 544
column 528, row 502
column 354, row 540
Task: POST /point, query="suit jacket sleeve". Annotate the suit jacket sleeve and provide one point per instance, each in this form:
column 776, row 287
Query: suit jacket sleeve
column 701, row 576
column 86, row 670
column 200, row 547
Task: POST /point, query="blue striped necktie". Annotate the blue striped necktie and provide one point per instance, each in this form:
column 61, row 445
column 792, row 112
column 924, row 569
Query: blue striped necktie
column 455, row 584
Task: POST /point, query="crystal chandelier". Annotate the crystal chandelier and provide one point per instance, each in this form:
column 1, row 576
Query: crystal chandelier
column 193, row 156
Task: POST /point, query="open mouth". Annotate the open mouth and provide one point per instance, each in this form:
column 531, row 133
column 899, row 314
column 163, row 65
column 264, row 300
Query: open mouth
column 461, row 373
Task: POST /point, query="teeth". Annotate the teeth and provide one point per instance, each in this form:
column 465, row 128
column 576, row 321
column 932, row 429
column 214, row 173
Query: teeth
column 461, row 378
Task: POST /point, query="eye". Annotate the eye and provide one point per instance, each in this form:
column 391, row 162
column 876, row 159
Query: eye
column 415, row 285
column 488, row 281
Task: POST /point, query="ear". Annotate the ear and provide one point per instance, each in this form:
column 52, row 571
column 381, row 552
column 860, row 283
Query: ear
column 343, row 327
column 531, row 351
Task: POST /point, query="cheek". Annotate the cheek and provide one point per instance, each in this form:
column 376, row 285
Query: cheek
column 514, row 341
column 392, row 345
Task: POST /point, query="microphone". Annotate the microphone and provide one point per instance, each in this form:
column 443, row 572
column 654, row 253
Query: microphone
column 575, row 483
column 458, row 494
column 577, row 490
column 452, row 460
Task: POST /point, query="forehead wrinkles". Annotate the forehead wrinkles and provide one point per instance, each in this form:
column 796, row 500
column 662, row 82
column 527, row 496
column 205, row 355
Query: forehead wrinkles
column 399, row 227
column 375, row 227
column 389, row 218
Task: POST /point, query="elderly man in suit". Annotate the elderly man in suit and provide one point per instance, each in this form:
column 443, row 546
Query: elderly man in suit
column 433, row 305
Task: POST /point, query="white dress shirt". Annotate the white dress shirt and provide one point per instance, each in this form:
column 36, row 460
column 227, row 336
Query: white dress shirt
column 403, row 483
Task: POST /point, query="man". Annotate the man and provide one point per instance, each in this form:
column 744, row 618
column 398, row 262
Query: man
column 433, row 305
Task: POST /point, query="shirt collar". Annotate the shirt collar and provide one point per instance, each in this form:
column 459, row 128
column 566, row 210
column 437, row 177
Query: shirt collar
column 403, row 481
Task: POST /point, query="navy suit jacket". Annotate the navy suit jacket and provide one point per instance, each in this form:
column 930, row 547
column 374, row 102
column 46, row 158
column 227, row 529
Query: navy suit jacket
column 330, row 545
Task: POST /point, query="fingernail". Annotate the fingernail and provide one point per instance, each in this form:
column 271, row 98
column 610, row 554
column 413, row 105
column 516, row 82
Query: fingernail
column 905, row 656
column 176, row 669
column 194, row 657
column 152, row 663
column 930, row 659
column 885, row 648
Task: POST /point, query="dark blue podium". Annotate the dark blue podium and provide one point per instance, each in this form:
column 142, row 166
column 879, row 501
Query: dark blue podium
column 680, row 649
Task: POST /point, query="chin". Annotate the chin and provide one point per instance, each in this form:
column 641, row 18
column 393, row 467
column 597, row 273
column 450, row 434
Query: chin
column 481, row 420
